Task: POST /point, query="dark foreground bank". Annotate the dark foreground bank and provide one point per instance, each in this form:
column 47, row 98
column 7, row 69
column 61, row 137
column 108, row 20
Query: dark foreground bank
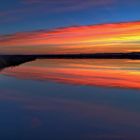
column 14, row 60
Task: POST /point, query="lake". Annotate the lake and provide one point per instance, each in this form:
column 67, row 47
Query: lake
column 71, row 99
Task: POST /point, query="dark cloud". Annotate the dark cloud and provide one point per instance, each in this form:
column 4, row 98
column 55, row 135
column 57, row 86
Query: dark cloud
column 32, row 6
column 73, row 4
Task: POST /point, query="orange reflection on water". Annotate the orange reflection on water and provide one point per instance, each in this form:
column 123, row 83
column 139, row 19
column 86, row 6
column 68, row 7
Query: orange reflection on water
column 107, row 73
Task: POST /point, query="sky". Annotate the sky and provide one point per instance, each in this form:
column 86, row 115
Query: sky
column 64, row 26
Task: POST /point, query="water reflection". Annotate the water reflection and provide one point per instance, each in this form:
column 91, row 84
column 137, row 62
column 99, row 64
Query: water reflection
column 36, row 105
column 38, row 110
column 108, row 73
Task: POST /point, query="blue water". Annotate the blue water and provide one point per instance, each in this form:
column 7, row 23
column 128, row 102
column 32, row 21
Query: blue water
column 48, row 110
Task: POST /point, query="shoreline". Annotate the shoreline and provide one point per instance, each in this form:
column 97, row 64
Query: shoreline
column 132, row 55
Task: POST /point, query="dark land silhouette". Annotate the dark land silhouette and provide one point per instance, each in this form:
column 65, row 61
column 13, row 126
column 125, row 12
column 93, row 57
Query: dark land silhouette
column 15, row 60
column 132, row 55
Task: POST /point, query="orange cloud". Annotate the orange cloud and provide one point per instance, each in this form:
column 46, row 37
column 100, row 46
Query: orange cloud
column 117, row 37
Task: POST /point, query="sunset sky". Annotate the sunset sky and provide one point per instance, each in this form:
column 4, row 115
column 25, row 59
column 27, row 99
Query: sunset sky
column 76, row 26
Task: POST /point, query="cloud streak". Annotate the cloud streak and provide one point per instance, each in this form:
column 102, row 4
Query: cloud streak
column 117, row 37
column 112, row 73
column 28, row 7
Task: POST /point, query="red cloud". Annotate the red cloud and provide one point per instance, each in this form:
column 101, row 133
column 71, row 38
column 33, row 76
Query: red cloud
column 118, row 37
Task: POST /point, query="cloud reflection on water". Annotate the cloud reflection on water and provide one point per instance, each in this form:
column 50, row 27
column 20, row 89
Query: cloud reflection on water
column 108, row 73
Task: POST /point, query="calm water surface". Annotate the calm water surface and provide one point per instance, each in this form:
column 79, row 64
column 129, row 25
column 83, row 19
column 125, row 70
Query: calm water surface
column 71, row 100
